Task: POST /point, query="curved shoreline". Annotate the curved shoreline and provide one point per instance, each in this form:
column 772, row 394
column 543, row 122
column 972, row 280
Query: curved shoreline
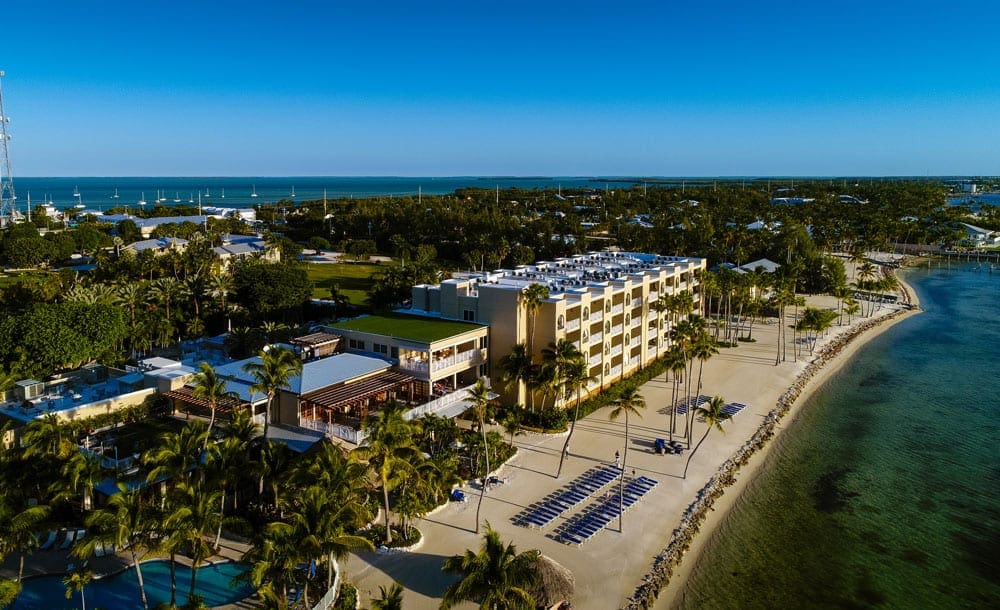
column 712, row 503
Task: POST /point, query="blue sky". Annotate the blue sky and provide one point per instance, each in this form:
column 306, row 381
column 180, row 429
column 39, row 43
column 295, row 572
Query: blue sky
column 502, row 88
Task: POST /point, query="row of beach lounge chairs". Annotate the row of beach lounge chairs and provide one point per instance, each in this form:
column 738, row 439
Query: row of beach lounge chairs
column 583, row 487
column 71, row 537
column 585, row 526
column 732, row 408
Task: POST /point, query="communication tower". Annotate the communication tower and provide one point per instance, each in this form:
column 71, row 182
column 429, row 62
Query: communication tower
column 8, row 208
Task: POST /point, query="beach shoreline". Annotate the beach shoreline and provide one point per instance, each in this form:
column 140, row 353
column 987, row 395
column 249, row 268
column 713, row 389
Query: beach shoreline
column 703, row 520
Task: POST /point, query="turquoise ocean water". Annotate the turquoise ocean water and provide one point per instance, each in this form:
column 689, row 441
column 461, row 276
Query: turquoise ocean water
column 885, row 491
column 98, row 193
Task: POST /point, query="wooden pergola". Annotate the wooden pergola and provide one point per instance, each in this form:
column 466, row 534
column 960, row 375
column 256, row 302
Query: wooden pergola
column 224, row 407
column 352, row 402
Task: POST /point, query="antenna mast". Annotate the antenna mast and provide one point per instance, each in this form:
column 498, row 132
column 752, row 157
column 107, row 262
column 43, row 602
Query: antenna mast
column 8, row 207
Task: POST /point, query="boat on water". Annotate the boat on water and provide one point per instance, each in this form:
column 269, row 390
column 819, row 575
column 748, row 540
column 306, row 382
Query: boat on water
column 223, row 193
column 253, row 191
column 115, row 196
column 190, row 197
column 76, row 191
column 293, row 191
column 142, row 199
column 177, row 197
column 207, row 193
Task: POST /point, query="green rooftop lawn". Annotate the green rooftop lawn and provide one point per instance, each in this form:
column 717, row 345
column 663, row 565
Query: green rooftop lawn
column 138, row 436
column 354, row 280
column 402, row 326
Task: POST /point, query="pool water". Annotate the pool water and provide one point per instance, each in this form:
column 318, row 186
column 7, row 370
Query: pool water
column 122, row 590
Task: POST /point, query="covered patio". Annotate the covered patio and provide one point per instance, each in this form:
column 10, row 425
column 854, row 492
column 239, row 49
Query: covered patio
column 348, row 404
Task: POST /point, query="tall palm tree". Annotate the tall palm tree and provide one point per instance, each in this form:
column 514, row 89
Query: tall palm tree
column 703, row 348
column 80, row 474
column 211, row 388
column 47, row 435
column 275, row 560
column 557, row 357
column 17, row 529
column 391, row 598
column 714, row 416
column 125, row 522
column 196, row 518
column 390, row 453
column 480, row 396
column 272, row 462
column 531, row 298
column 675, row 364
column 276, row 369
column 498, row 577
column 629, row 403
column 577, row 376
column 515, row 369
column 177, row 453
column 77, row 581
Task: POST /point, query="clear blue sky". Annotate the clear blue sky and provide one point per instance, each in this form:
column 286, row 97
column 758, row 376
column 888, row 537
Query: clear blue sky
column 521, row 88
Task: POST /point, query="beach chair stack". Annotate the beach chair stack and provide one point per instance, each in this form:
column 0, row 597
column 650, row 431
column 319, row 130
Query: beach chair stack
column 587, row 525
column 583, row 487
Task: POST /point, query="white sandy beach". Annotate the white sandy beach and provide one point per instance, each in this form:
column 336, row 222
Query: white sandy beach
column 610, row 566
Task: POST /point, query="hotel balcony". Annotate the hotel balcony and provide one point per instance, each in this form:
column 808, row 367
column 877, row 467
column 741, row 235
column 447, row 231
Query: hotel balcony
column 616, row 330
column 573, row 325
column 635, row 341
column 616, row 370
column 636, row 303
column 616, row 350
column 596, row 337
column 653, row 295
column 617, row 309
column 472, row 356
column 597, row 316
column 595, row 360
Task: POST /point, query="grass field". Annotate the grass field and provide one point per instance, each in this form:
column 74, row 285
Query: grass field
column 354, row 280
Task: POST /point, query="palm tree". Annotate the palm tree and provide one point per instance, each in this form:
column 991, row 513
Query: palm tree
column 577, row 375
column 125, row 522
column 195, row 517
column 390, row 453
column 531, row 298
column 515, row 369
column 17, row 529
column 703, row 349
column 47, row 435
column 177, row 453
column 675, row 364
column 273, row 461
column 211, row 388
column 81, row 473
column 511, row 423
column 276, row 369
column 628, row 404
column 480, row 396
column 498, row 577
column 226, row 462
column 713, row 415
column 391, row 598
column 76, row 581
column 556, row 357
column 275, row 559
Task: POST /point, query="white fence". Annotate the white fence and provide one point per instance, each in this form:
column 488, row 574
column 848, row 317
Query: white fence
column 330, row 597
column 340, row 431
column 439, row 404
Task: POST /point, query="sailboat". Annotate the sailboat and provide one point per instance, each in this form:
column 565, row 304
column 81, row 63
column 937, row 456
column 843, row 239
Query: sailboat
column 223, row 193
column 177, row 197
column 115, row 196
column 142, row 199
column 76, row 191
column 207, row 193
column 253, row 192
column 191, row 197
column 293, row 191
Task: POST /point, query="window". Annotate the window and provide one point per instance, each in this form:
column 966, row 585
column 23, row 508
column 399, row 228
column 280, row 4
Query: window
column 561, row 322
column 607, row 327
column 380, row 348
column 607, row 307
column 607, row 349
column 394, row 352
column 586, row 312
column 468, row 315
column 483, row 342
column 607, row 369
column 628, row 318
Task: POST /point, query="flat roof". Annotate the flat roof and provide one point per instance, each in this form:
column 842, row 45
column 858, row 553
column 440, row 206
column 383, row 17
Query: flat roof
column 316, row 374
column 402, row 326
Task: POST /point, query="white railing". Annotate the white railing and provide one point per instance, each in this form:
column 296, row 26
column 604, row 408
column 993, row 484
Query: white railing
column 596, row 337
column 439, row 404
column 597, row 315
column 617, row 329
column 573, row 325
column 477, row 355
column 326, row 602
column 634, row 361
column 618, row 308
column 651, row 352
column 653, row 295
column 636, row 340
column 595, row 360
column 417, row 366
column 636, row 321
column 340, row 431
column 616, row 370
column 636, row 303
column 616, row 350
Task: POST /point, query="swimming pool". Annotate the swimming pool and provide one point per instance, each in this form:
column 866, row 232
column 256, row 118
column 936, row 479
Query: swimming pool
column 122, row 591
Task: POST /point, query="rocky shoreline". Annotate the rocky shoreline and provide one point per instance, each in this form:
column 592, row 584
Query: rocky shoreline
column 665, row 562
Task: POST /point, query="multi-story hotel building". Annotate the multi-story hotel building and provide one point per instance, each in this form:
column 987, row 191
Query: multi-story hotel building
column 604, row 302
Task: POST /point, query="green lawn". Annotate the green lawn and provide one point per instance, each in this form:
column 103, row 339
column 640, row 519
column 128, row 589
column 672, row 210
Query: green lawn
column 6, row 279
column 354, row 280
column 403, row 326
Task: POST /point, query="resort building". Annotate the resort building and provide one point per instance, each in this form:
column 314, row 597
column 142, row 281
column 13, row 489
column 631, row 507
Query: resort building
column 444, row 357
column 607, row 303
column 238, row 247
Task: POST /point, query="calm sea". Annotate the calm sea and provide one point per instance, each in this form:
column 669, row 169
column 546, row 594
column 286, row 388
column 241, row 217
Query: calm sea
column 99, row 193
column 885, row 492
